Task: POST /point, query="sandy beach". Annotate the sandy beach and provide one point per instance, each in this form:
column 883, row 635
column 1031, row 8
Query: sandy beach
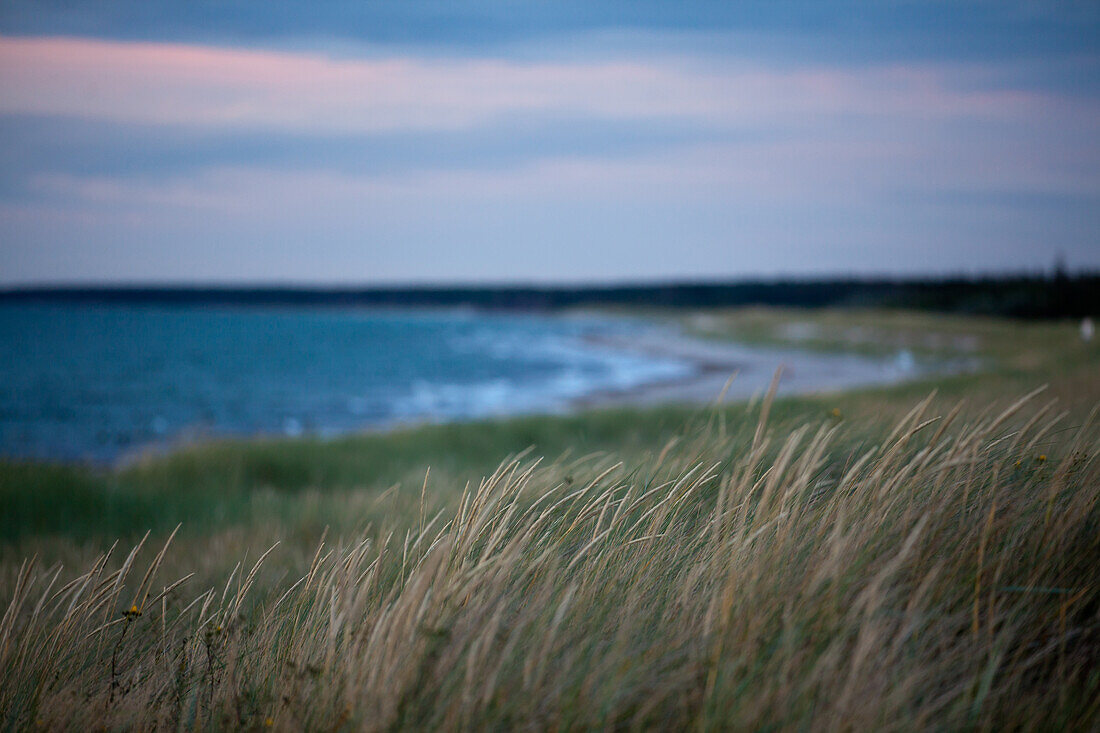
column 752, row 369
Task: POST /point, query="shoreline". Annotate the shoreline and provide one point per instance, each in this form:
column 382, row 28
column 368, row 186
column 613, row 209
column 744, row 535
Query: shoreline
column 751, row 368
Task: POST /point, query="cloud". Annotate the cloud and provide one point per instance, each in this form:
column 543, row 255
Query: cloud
column 850, row 29
column 210, row 87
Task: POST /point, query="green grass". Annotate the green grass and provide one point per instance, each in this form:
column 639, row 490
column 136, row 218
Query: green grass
column 884, row 332
column 210, row 485
column 875, row 559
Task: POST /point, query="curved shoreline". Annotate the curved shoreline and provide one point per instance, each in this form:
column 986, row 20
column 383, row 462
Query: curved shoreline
column 751, row 368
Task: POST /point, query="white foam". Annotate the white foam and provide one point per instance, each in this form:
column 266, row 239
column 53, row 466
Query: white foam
column 573, row 368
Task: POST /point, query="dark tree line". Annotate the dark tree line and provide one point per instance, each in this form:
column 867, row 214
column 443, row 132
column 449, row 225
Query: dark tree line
column 1059, row 296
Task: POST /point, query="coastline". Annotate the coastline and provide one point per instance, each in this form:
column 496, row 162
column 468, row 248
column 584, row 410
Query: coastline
column 750, row 367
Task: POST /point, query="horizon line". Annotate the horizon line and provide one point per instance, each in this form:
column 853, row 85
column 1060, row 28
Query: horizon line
column 656, row 282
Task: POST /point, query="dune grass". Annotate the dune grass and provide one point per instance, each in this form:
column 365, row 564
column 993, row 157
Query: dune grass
column 744, row 576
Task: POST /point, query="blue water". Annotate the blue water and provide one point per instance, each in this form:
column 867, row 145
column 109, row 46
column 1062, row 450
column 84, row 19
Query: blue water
column 99, row 382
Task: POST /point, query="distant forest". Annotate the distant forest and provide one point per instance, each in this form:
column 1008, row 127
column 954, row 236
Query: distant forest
column 1061, row 295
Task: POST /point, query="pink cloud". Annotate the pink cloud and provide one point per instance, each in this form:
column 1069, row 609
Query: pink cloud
column 173, row 84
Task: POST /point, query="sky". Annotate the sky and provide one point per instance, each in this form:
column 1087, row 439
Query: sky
column 493, row 141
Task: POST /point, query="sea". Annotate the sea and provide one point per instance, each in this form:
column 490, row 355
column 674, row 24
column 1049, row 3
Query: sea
column 99, row 383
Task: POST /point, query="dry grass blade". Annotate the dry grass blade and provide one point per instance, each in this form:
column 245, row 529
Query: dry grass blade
column 744, row 576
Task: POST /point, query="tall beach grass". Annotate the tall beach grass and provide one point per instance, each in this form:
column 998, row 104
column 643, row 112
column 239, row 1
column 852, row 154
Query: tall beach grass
column 944, row 576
